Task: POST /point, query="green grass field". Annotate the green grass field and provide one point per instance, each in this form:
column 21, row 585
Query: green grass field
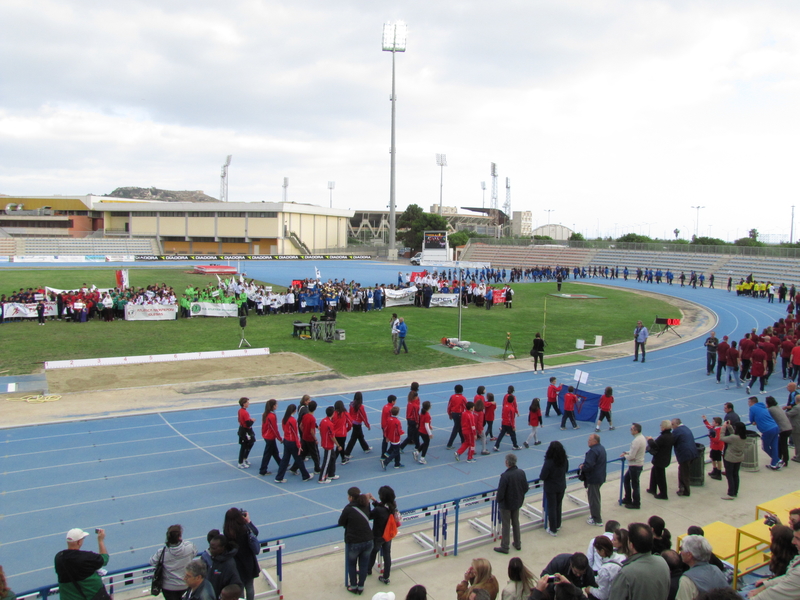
column 366, row 350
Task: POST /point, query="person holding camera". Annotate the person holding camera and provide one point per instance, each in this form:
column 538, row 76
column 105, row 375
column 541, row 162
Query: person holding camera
column 77, row 570
column 239, row 529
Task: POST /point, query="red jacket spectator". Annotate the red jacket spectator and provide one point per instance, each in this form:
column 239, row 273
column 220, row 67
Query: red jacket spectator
column 468, row 427
column 457, row 404
column 488, row 410
column 341, row 424
column 569, row 401
column 412, row 410
column 308, row 427
column 604, row 404
column 425, row 423
column 552, row 393
column 510, row 415
column 358, row 416
column 386, row 412
column 715, row 442
column 722, row 351
column 326, row 437
column 290, row 433
column 535, row 417
column 394, row 430
column 269, row 428
column 479, row 416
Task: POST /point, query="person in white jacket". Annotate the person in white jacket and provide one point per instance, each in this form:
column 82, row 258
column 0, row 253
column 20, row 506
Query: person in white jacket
column 611, row 563
column 176, row 553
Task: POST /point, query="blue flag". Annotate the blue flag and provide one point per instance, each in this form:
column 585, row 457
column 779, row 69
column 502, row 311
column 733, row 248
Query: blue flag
column 586, row 408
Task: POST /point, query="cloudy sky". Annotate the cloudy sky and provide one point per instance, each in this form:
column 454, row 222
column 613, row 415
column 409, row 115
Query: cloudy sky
column 618, row 115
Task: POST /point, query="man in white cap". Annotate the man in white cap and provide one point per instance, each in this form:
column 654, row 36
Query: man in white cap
column 78, row 578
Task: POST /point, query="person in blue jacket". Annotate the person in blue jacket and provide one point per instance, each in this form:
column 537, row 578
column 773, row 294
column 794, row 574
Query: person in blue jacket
column 760, row 417
column 402, row 329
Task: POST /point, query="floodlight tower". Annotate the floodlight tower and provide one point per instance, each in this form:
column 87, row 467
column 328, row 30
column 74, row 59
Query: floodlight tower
column 394, row 41
column 331, row 185
column 494, row 186
column 223, row 183
column 441, row 160
column 483, row 198
column 285, row 189
column 507, row 205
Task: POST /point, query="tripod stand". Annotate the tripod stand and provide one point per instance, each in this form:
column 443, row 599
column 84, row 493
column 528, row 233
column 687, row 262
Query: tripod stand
column 508, row 351
column 243, row 324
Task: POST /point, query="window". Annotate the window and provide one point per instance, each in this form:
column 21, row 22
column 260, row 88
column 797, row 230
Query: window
column 263, row 215
column 228, row 240
column 202, row 214
column 239, row 215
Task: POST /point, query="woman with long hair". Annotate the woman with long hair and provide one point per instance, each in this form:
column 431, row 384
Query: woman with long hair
column 609, row 569
column 478, row 577
column 734, row 437
column 5, row 591
column 238, row 528
column 271, row 435
column 554, row 479
column 358, row 417
column 341, row 425
column 620, row 542
column 382, row 510
column 176, row 554
column 781, row 548
column 520, row 581
column 247, row 437
column 291, row 446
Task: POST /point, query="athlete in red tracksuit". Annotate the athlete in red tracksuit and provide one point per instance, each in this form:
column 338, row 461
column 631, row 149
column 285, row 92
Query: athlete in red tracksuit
column 308, row 437
column 716, row 446
column 386, row 413
column 455, row 407
column 569, row 408
column 604, row 405
column 412, row 421
column 552, row 398
column 509, row 423
column 393, row 433
column 291, row 446
column 270, row 433
column 341, row 425
column 330, row 446
column 468, row 429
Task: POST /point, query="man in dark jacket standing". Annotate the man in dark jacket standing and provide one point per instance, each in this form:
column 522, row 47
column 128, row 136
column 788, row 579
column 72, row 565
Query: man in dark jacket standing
column 594, row 476
column 223, row 571
column 661, row 449
column 358, row 538
column 510, row 497
column 685, row 453
column 78, row 578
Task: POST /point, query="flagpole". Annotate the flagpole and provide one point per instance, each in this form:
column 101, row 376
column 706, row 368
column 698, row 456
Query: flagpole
column 544, row 320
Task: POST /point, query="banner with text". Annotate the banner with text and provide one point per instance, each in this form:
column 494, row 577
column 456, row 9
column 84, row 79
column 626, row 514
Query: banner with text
column 151, row 312
column 212, row 309
column 402, row 297
column 444, row 300
column 18, row 310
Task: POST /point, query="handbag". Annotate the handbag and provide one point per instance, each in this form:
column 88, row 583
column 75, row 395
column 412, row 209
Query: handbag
column 158, row 575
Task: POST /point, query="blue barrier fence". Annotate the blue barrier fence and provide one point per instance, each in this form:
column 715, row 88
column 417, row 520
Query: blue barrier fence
column 433, row 544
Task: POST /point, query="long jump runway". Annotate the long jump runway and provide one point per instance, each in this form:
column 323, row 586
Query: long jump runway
column 135, row 476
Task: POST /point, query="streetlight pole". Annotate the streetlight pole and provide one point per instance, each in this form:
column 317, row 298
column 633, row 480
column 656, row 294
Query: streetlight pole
column 331, row 185
column 791, row 228
column 697, row 222
column 441, row 160
column 483, row 199
column 394, row 41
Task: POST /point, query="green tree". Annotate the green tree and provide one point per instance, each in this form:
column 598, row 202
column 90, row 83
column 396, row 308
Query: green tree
column 542, row 237
column 635, row 238
column 459, row 238
column 753, row 234
column 415, row 221
column 577, row 237
column 708, row 241
column 748, row 241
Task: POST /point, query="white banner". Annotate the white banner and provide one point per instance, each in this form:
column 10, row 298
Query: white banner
column 444, row 300
column 402, row 297
column 17, row 310
column 137, row 360
column 49, row 289
column 150, row 312
column 212, row 309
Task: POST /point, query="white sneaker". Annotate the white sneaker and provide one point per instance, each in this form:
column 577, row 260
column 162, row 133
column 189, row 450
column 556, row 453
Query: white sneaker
column 242, row 466
column 553, row 533
column 422, row 460
column 415, row 454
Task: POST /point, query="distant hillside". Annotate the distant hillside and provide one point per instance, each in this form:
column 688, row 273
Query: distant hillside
column 137, row 193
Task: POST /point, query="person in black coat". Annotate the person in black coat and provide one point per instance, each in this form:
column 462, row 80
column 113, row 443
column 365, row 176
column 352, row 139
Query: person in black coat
column 661, row 449
column 554, row 482
column 593, row 470
column 223, row 571
column 238, row 528
column 685, row 452
column 510, row 496
column 358, row 538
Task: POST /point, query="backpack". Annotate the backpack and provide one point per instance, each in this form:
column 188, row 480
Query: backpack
column 392, row 523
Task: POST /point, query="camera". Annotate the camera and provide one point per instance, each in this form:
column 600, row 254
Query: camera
column 552, row 579
column 243, row 511
column 770, row 520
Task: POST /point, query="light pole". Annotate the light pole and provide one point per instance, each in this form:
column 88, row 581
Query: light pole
column 483, row 199
column 791, row 228
column 441, row 161
column 331, row 185
column 697, row 222
column 285, row 189
column 394, row 41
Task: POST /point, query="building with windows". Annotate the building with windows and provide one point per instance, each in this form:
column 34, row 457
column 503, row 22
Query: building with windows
column 181, row 227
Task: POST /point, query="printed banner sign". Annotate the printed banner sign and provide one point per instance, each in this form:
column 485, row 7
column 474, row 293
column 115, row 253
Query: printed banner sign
column 18, row 310
column 143, row 257
column 212, row 309
column 445, row 300
column 402, row 297
column 151, row 312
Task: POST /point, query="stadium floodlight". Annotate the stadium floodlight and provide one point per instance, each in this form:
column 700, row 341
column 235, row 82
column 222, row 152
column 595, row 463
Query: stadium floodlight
column 331, row 185
column 395, row 36
column 697, row 222
column 483, row 199
column 441, row 160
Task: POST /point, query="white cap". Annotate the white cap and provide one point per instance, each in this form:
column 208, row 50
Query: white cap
column 76, row 535
column 383, row 596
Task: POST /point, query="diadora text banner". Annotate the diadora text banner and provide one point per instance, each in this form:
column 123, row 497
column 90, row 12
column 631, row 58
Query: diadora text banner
column 175, row 257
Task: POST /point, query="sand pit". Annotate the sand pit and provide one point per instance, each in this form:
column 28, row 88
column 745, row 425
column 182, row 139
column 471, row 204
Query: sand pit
column 90, row 379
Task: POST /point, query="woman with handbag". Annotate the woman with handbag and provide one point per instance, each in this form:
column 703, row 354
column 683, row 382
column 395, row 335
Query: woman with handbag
column 382, row 511
column 238, row 528
column 170, row 563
